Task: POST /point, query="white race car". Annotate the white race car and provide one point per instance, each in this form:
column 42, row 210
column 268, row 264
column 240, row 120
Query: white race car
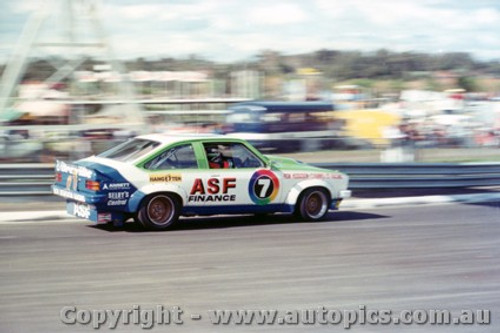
column 156, row 178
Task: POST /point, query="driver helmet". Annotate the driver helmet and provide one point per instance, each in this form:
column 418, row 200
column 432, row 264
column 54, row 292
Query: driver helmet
column 214, row 155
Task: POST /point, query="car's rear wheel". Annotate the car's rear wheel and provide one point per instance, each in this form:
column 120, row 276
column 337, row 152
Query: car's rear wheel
column 312, row 204
column 159, row 212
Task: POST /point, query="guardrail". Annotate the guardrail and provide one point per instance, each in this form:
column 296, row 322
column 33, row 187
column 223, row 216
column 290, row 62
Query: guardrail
column 26, row 179
column 35, row 179
column 418, row 175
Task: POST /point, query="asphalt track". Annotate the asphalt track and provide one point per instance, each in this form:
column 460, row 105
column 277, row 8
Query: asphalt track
column 403, row 258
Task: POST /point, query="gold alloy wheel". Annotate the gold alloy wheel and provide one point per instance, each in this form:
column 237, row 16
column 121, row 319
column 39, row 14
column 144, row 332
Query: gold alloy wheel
column 160, row 210
column 315, row 204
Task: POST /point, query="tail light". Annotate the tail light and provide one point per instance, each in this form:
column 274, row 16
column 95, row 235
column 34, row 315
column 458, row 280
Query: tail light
column 92, row 185
column 58, row 177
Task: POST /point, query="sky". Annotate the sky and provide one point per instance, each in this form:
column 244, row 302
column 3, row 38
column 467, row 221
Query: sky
column 238, row 30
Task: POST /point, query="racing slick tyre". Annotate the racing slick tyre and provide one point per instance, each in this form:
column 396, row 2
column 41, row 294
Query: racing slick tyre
column 159, row 212
column 312, row 204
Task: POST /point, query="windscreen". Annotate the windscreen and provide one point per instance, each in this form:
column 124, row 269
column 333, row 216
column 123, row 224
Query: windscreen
column 130, row 150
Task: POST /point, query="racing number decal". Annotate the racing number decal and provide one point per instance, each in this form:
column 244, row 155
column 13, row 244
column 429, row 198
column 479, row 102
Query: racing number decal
column 265, row 184
column 72, row 181
column 263, row 187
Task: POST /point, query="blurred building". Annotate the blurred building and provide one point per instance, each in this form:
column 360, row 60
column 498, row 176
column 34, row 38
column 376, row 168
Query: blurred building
column 246, row 84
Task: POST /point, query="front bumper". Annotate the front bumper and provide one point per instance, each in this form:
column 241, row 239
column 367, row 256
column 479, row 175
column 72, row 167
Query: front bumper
column 334, row 205
column 345, row 194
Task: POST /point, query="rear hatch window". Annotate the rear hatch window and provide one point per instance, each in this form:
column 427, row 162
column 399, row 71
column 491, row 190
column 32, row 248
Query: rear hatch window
column 130, row 150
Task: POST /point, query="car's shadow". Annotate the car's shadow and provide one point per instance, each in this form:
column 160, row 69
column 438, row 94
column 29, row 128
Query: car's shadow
column 236, row 221
column 493, row 204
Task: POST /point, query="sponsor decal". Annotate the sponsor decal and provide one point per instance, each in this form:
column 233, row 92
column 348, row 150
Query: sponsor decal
column 118, row 198
column 214, row 190
column 74, row 169
column 165, row 178
column 116, row 186
column 81, row 210
column 212, row 198
column 69, row 194
column 118, row 195
column 302, row 175
column 263, row 187
column 117, row 202
column 103, row 217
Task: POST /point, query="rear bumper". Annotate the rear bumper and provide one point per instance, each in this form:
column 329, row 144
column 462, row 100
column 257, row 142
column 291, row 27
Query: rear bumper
column 90, row 212
column 92, row 207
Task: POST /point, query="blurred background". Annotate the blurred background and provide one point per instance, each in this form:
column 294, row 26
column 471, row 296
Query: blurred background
column 401, row 81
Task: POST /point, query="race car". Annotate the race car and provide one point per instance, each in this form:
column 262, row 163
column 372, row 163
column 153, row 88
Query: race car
column 156, row 178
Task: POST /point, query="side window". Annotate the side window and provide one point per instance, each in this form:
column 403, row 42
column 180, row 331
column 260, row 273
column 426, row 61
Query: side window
column 230, row 156
column 180, row 157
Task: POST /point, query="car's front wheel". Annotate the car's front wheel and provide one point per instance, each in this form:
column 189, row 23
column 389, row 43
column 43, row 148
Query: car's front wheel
column 159, row 212
column 312, row 204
